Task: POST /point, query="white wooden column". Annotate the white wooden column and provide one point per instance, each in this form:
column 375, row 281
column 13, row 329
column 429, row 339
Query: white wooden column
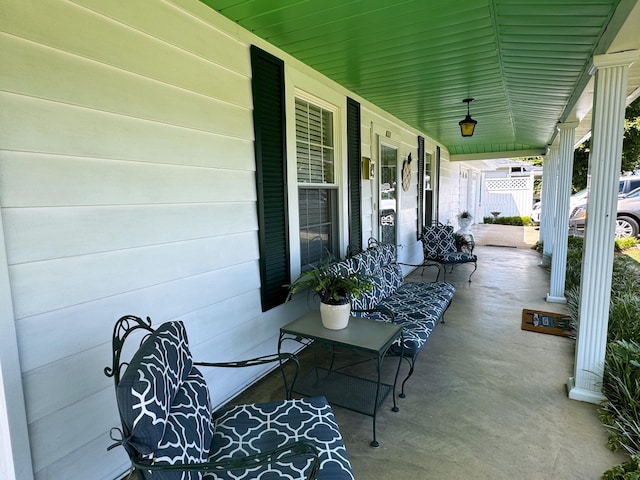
column 15, row 454
column 597, row 262
column 549, row 188
column 561, row 212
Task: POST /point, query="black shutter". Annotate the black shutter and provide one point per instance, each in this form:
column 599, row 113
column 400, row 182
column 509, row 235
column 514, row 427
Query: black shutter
column 420, row 212
column 267, row 85
column 354, row 162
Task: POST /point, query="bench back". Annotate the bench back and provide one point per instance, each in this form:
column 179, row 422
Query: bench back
column 164, row 403
column 379, row 263
column 437, row 241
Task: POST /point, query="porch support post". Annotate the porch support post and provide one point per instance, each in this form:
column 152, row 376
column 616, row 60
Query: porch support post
column 561, row 213
column 597, row 260
column 549, row 188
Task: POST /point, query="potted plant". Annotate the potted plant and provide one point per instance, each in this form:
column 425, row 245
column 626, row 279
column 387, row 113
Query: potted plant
column 464, row 243
column 464, row 220
column 335, row 289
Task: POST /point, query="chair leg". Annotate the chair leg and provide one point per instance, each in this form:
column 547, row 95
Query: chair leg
column 412, row 361
column 431, row 265
column 475, row 267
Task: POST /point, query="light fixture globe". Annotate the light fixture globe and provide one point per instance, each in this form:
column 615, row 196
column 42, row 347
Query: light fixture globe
column 468, row 125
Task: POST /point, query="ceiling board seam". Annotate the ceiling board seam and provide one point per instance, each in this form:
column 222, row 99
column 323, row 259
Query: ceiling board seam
column 494, row 20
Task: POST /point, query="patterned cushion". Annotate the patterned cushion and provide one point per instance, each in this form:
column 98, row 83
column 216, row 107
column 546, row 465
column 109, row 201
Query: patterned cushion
column 418, row 307
column 249, row 429
column 368, row 262
column 344, row 267
column 392, row 276
column 387, row 253
column 369, row 299
column 150, row 384
column 189, row 429
column 438, row 240
column 459, row 257
column 379, row 262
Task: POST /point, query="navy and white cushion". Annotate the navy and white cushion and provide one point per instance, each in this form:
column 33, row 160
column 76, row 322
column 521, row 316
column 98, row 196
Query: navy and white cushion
column 418, row 307
column 438, row 244
column 188, row 431
column 437, row 241
column 458, row 257
column 165, row 405
column 249, row 429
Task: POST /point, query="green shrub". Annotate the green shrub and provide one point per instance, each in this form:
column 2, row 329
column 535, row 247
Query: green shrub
column 516, row 220
column 575, row 242
column 574, row 262
column 573, row 304
column 625, row 243
column 627, row 471
column 624, row 318
column 626, row 276
column 621, row 386
column 538, row 247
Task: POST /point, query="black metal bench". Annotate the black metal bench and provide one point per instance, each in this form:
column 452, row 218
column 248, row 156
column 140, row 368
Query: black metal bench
column 171, row 433
column 417, row 307
column 441, row 249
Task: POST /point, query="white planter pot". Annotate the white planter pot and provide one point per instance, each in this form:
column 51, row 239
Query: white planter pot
column 335, row 317
column 464, row 223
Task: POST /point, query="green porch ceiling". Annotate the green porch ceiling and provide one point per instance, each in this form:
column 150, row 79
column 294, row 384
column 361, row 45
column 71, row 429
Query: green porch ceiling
column 524, row 62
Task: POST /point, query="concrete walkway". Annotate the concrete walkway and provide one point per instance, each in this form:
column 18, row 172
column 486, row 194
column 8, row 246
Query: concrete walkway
column 505, row 235
column 487, row 399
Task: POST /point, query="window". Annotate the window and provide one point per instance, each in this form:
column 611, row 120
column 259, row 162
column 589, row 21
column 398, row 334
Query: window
column 317, row 191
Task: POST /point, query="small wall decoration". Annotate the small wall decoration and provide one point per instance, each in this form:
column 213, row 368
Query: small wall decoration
column 406, row 173
column 368, row 169
column 366, row 166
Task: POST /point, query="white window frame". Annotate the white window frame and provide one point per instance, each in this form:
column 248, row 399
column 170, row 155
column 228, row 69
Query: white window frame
column 335, row 186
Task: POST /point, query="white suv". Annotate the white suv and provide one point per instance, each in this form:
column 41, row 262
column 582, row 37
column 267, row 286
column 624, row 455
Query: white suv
column 628, row 183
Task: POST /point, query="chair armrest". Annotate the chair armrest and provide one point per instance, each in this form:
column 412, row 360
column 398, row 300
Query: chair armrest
column 383, row 310
column 276, row 357
column 410, row 264
column 283, row 454
column 282, row 358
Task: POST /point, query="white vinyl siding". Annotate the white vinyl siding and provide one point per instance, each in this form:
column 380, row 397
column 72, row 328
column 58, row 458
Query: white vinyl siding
column 127, row 186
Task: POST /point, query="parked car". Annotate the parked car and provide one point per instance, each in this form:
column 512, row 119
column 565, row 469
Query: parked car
column 535, row 213
column 627, row 218
column 576, row 199
column 628, row 183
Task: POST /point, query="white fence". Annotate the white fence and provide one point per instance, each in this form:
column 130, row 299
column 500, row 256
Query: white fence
column 509, row 196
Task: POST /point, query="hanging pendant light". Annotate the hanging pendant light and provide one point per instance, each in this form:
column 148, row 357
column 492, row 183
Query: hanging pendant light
column 468, row 125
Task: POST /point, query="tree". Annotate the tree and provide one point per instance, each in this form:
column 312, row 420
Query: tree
column 630, row 148
column 580, row 166
column 631, row 142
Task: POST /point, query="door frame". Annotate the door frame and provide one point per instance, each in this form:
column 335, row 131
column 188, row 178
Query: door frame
column 387, row 141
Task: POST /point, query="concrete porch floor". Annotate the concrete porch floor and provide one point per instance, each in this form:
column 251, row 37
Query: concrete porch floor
column 487, row 399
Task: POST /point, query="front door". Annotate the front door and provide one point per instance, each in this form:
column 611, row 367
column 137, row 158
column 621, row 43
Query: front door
column 388, row 193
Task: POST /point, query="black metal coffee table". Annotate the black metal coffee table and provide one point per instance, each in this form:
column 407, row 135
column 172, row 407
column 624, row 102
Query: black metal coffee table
column 364, row 337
